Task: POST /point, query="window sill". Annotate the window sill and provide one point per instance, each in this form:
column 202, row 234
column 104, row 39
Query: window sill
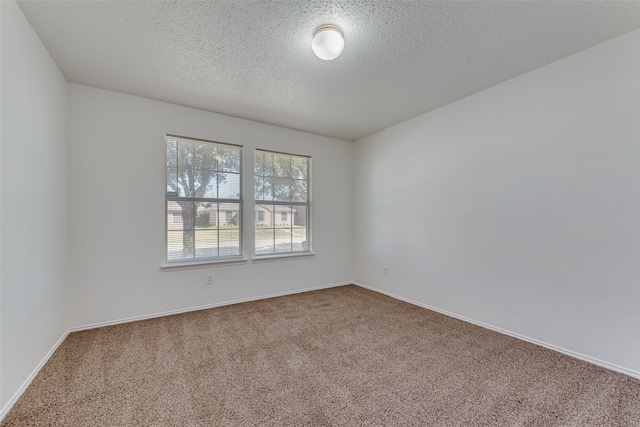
column 289, row 256
column 171, row 266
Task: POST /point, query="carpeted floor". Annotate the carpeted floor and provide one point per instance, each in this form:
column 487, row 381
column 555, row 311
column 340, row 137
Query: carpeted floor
column 337, row 357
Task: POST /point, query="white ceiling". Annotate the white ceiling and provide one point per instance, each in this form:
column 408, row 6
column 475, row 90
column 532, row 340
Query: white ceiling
column 253, row 59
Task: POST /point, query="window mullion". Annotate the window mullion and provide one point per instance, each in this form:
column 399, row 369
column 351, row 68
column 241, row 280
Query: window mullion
column 195, row 208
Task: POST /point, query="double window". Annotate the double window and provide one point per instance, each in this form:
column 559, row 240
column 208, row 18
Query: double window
column 204, row 201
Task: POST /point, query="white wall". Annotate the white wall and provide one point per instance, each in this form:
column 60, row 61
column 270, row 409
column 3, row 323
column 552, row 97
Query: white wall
column 518, row 206
column 117, row 209
column 33, row 216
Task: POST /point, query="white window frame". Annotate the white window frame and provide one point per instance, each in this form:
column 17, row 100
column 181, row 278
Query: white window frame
column 306, row 251
column 194, row 262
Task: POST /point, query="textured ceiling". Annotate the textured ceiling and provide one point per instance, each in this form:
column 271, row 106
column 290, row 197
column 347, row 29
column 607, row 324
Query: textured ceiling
column 253, row 59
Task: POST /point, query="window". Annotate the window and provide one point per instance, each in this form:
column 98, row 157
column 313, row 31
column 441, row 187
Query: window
column 203, row 181
column 282, row 190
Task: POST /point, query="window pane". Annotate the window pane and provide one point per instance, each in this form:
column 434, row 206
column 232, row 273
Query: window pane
column 172, row 181
column 300, row 215
column 174, row 211
column 299, row 167
column 299, row 238
column 283, row 239
column 282, row 189
column 299, row 229
column 174, row 231
column 282, row 165
column 258, row 168
column 172, row 154
column 206, row 215
column 180, row 215
column 263, row 217
column 229, row 185
column 265, row 192
column 207, row 185
column 174, row 245
column 298, row 190
column 268, row 164
column 229, row 159
column 196, row 183
column 229, row 214
column 185, row 153
column 204, row 156
column 259, row 187
column 264, row 237
column 229, row 241
column 180, row 227
column 206, row 242
column 284, row 215
column 186, row 182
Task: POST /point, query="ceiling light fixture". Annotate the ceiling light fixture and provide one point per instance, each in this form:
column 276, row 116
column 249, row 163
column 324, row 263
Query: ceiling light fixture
column 327, row 42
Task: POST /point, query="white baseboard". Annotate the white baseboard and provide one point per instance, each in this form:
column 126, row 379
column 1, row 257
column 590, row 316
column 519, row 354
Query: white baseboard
column 5, row 410
column 7, row 407
column 203, row 307
column 580, row 356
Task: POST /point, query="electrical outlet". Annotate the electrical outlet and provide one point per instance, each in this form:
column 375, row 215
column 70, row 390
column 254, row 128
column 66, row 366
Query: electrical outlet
column 209, row 278
column 386, row 270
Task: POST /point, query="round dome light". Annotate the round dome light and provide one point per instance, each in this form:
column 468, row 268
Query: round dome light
column 327, row 42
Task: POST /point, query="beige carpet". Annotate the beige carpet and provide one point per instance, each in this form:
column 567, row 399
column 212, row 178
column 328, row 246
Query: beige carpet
column 336, row 357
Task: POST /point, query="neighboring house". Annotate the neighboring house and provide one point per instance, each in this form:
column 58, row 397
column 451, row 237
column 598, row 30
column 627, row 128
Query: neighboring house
column 274, row 215
column 227, row 214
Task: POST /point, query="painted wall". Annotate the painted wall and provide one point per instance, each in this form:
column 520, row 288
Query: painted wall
column 33, row 215
column 117, row 209
column 518, row 206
